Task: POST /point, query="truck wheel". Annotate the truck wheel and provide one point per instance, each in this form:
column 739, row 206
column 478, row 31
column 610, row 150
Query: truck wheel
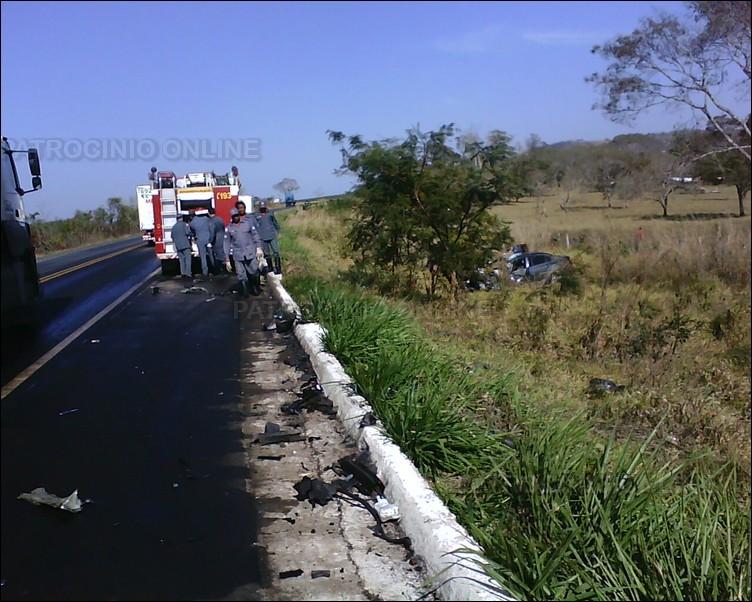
column 168, row 267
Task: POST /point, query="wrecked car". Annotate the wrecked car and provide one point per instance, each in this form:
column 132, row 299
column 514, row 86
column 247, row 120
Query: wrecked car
column 537, row 267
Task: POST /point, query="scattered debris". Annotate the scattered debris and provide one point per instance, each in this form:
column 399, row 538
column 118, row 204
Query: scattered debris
column 71, row 411
column 288, row 574
column 95, row 341
column 315, row 491
column 369, row 419
column 310, row 398
column 211, row 299
column 274, row 434
column 386, row 510
column 599, row 386
column 194, row 290
column 275, row 458
column 317, row 574
column 40, row 496
column 366, row 480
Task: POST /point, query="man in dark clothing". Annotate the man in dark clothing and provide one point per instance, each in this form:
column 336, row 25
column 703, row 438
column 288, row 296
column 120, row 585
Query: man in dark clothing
column 180, row 238
column 268, row 227
column 203, row 230
column 218, row 243
column 243, row 241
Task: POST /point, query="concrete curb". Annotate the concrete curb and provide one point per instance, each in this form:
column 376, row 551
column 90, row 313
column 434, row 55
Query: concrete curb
column 435, row 533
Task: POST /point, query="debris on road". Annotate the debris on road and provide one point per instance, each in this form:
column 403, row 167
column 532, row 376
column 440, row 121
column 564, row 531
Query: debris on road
column 71, row 411
column 194, row 290
column 289, row 574
column 94, row 341
column 320, row 573
column 310, row 398
column 274, row 434
column 275, row 458
column 366, row 480
column 369, row 419
column 386, row 510
column 40, row 496
column 211, row 299
column 315, row 491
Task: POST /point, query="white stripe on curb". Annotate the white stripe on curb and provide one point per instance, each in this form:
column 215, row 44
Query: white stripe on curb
column 435, row 533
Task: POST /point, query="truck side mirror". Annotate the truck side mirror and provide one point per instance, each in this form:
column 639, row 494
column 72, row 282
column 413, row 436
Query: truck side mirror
column 36, row 182
column 34, row 167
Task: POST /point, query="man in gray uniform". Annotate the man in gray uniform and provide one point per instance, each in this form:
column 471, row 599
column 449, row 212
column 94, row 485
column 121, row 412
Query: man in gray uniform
column 268, row 227
column 203, row 230
column 243, row 239
column 180, row 233
column 218, row 244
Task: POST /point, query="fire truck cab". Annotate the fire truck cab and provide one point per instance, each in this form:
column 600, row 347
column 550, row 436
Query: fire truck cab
column 172, row 195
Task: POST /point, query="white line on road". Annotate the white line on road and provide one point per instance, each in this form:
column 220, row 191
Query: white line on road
column 31, row 369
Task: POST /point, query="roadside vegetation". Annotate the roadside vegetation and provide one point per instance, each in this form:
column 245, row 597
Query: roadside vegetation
column 85, row 227
column 641, row 494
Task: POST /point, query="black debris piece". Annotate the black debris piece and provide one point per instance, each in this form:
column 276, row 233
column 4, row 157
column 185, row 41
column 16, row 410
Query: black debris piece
column 317, row 574
column 315, row 491
column 275, row 458
column 366, row 480
column 280, row 436
column 284, row 321
column 289, row 574
column 599, row 386
column 369, row 419
column 271, row 427
column 311, row 398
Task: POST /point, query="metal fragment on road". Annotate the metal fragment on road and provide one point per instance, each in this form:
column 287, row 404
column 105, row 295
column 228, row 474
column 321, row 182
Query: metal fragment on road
column 40, row 496
column 71, row 411
column 193, row 290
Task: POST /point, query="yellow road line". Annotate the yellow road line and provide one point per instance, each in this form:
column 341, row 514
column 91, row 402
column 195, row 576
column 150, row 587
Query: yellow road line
column 27, row 372
column 86, row 264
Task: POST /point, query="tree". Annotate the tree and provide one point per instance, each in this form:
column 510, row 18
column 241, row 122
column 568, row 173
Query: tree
column 731, row 167
column 422, row 205
column 287, row 185
column 675, row 62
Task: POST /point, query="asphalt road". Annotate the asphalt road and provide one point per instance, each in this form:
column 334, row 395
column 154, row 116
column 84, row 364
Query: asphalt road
column 145, row 424
column 75, row 286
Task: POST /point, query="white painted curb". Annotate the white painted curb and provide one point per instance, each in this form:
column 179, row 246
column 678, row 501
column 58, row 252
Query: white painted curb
column 433, row 529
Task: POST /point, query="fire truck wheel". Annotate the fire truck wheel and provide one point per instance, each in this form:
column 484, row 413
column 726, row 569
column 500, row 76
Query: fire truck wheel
column 170, row 267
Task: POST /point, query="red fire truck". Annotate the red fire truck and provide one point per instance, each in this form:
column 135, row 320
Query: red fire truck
column 172, row 195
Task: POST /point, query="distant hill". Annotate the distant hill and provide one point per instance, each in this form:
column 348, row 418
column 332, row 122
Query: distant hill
column 633, row 142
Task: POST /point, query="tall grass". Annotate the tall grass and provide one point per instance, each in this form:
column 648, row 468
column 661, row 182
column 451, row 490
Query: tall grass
column 560, row 514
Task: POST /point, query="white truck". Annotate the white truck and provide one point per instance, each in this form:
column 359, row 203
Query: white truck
column 145, row 213
column 20, row 280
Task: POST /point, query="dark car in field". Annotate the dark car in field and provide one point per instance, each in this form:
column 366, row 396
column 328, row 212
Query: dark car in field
column 536, row 267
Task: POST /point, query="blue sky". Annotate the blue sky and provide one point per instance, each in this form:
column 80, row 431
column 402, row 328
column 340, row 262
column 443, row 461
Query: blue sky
column 284, row 73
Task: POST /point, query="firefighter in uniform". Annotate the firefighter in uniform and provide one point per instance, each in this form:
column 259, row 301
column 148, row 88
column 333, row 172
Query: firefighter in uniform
column 203, row 230
column 267, row 226
column 180, row 237
column 243, row 240
column 218, row 244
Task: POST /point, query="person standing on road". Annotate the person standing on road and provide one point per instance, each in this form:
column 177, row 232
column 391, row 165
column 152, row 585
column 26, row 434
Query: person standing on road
column 267, row 226
column 180, row 233
column 203, row 229
column 240, row 206
column 244, row 242
column 218, row 243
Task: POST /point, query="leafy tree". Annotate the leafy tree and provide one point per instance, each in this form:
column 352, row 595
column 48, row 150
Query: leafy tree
column 677, row 62
column 423, row 206
column 731, row 167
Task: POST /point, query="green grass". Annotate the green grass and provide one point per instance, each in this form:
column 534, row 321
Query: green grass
column 560, row 513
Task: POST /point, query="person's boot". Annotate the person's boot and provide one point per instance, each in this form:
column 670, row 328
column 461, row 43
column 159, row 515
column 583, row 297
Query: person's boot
column 255, row 288
column 244, row 288
column 277, row 265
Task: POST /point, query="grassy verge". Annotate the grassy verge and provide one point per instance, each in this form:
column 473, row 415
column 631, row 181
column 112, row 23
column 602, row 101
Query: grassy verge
column 564, row 502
